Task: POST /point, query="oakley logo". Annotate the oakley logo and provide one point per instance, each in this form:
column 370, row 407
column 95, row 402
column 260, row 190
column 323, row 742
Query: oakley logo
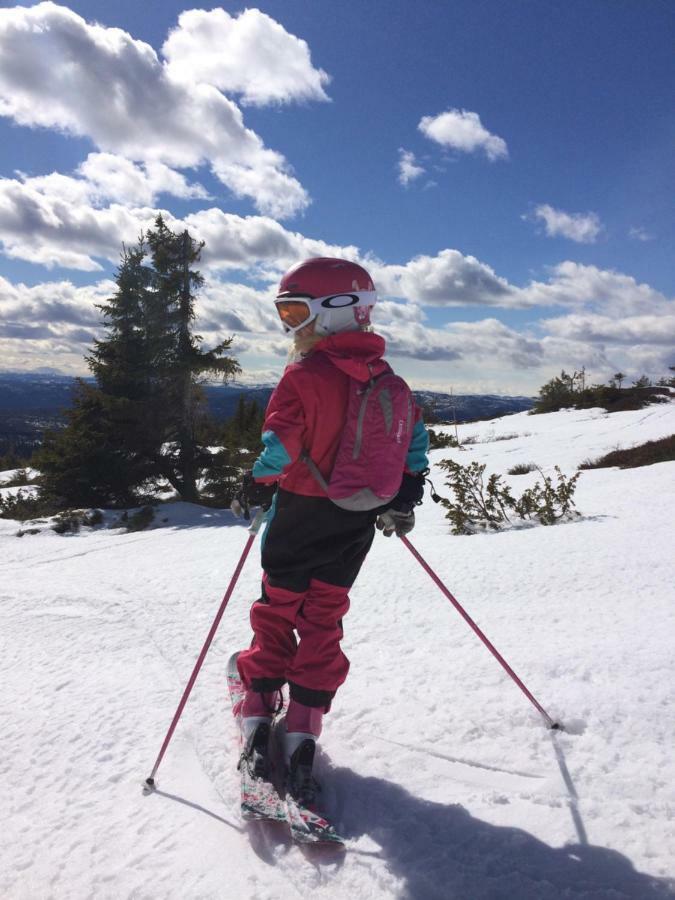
column 339, row 301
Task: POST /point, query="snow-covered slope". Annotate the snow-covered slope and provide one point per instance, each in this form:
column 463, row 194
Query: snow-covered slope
column 438, row 771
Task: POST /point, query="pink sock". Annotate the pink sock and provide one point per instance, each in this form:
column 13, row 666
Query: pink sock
column 259, row 704
column 303, row 718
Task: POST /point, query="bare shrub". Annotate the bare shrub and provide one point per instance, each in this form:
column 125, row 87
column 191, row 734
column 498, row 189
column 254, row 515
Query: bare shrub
column 643, row 455
column 522, row 469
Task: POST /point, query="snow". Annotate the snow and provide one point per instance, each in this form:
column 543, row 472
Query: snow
column 12, row 474
column 437, row 769
column 23, row 489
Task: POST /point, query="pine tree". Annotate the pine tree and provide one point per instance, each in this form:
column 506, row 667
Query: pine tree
column 123, row 365
column 178, row 355
column 140, row 421
column 642, row 382
column 87, row 463
column 120, row 362
column 104, row 453
column 555, row 394
column 240, row 440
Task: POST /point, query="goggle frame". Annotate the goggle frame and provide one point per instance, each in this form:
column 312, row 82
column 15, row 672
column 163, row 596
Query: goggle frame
column 315, row 305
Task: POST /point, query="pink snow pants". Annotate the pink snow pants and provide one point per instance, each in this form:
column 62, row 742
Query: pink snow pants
column 314, row 664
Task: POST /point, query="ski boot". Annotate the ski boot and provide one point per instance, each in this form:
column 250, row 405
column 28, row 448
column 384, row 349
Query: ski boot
column 256, row 714
column 259, row 797
column 255, row 747
column 300, row 783
column 308, row 824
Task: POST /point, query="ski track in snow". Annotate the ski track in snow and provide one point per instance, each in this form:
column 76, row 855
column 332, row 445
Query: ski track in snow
column 437, row 770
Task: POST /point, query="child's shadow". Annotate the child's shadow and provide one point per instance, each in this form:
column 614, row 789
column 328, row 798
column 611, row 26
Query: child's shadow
column 444, row 852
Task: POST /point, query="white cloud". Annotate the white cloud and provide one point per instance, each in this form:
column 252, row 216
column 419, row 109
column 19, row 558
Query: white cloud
column 115, row 178
column 604, row 290
column 389, row 312
column 48, row 220
column 55, row 220
column 583, row 228
column 408, row 167
column 57, row 321
column 618, row 323
column 228, row 306
column 105, row 177
column 276, row 191
column 57, row 71
column 640, row 234
column 52, row 304
column 448, row 279
column 49, row 324
column 54, row 323
column 593, row 328
column 40, row 221
column 472, row 342
column 462, row 130
column 256, row 242
column 250, row 54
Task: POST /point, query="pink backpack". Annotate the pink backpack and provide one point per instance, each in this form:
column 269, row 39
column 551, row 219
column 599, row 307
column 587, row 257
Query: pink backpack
column 371, row 457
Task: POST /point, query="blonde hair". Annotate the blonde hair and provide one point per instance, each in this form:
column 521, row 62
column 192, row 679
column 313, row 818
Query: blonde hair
column 305, row 340
column 303, row 344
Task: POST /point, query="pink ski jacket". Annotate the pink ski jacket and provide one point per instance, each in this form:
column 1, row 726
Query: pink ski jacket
column 308, row 409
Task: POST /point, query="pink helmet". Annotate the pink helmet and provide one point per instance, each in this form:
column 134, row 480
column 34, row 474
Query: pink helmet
column 336, row 293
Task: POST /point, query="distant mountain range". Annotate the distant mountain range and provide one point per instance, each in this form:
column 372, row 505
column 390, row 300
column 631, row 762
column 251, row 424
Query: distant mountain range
column 468, row 407
column 30, row 402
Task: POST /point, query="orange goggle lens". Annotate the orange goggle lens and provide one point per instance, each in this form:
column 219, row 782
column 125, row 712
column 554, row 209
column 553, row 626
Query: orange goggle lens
column 293, row 312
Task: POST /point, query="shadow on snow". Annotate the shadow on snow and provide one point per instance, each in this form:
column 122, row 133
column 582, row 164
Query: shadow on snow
column 444, row 852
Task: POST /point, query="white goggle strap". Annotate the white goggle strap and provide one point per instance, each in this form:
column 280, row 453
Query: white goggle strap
column 342, row 301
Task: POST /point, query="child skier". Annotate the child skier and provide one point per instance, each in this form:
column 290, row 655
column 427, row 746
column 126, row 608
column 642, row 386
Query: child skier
column 312, row 548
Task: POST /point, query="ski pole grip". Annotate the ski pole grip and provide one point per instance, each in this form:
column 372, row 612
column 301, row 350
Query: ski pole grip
column 258, row 519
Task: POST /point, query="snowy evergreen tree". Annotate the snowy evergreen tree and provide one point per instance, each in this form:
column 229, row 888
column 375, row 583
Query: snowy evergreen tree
column 178, row 358
column 141, row 419
column 106, row 450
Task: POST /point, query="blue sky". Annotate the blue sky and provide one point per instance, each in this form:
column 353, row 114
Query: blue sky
column 505, row 171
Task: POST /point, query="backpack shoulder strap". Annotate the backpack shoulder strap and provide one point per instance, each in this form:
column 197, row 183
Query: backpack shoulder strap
column 314, row 469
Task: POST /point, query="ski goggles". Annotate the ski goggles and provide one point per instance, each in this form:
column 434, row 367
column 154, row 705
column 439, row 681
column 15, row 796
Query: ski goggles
column 297, row 311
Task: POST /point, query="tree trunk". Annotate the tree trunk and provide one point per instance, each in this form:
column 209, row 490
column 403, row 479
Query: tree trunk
column 186, row 438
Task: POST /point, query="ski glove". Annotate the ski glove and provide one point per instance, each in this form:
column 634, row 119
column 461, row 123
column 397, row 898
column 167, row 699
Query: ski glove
column 252, row 493
column 399, row 516
column 395, row 520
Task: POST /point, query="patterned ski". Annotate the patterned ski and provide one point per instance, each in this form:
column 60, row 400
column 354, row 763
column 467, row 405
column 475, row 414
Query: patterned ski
column 308, row 826
column 259, row 798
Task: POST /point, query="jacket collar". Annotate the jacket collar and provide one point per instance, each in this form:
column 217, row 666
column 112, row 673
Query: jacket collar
column 357, row 353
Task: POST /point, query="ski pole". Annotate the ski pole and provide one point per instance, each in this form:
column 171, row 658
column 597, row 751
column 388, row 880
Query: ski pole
column 493, row 650
column 149, row 783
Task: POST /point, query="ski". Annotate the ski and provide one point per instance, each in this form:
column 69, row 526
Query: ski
column 308, row 826
column 259, row 797
column 307, row 823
